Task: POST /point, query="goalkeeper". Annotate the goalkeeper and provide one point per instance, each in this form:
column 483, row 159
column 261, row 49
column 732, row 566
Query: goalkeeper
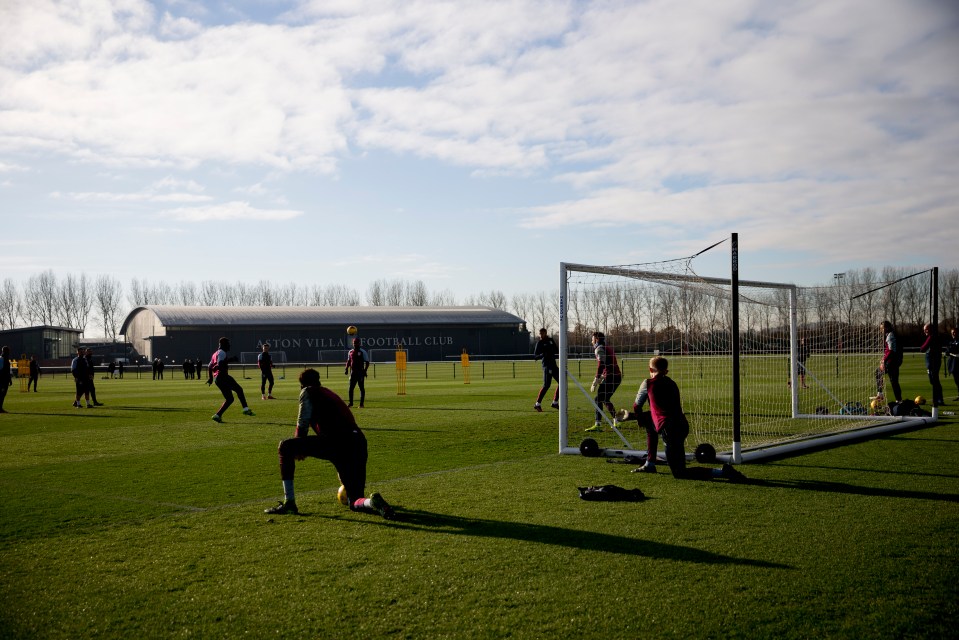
column 608, row 377
column 667, row 419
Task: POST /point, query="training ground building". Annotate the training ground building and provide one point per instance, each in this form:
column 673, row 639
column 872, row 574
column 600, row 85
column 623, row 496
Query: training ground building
column 50, row 345
column 319, row 334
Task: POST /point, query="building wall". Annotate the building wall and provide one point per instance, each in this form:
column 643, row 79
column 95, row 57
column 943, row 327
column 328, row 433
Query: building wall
column 49, row 344
column 322, row 344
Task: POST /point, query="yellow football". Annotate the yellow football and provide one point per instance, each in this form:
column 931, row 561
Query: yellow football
column 351, row 330
column 920, row 400
column 341, row 496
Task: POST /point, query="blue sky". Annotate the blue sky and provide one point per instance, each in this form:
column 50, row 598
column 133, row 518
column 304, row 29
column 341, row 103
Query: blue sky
column 474, row 146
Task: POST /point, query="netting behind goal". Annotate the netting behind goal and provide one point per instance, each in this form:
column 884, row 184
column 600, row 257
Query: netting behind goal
column 803, row 373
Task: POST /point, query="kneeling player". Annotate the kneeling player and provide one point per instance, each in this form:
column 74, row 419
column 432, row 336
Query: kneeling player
column 669, row 421
column 338, row 439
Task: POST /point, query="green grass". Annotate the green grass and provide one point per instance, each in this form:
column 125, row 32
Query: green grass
column 143, row 518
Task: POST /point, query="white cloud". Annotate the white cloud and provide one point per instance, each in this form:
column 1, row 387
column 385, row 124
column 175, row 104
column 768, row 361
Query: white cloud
column 654, row 115
column 229, row 211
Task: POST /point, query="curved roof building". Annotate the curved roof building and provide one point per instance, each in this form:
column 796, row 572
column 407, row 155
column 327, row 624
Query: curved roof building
column 318, row 334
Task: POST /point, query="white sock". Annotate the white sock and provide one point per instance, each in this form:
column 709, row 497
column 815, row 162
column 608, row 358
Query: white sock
column 288, row 491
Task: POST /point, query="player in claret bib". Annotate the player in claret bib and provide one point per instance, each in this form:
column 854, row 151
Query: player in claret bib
column 666, row 419
column 338, row 439
column 357, row 364
column 219, row 372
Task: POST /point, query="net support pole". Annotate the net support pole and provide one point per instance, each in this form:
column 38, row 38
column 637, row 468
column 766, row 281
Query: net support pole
column 794, row 350
column 934, row 300
column 734, row 286
column 563, row 357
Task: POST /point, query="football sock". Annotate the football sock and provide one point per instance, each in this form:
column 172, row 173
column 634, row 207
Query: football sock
column 288, row 491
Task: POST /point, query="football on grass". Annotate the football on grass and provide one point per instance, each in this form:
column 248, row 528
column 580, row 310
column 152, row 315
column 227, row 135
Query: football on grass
column 341, row 496
column 351, row 330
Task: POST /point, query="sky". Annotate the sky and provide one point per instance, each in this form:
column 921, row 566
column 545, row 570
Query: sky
column 474, row 146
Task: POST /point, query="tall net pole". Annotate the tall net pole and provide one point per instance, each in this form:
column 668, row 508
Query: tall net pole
column 735, row 344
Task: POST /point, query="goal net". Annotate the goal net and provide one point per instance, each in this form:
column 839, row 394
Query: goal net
column 763, row 368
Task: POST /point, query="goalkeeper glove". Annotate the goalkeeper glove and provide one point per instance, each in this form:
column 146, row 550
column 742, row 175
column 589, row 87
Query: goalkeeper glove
column 596, row 382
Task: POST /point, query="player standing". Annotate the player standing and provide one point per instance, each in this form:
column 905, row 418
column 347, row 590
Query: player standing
column 608, row 377
column 547, row 351
column 6, row 376
column 80, row 370
column 219, row 372
column 338, row 439
column 357, row 362
column 265, row 362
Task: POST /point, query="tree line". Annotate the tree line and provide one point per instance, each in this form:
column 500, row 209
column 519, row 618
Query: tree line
column 857, row 296
column 102, row 302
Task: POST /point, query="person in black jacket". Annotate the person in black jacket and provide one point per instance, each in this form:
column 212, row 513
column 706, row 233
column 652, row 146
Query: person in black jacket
column 547, row 351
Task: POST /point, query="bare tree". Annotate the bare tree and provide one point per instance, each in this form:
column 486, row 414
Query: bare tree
column 892, row 295
column 375, row 296
column 545, row 312
column 444, row 298
column 338, row 295
column 11, row 304
column 949, row 297
column 263, row 294
column 314, row 296
column 522, row 305
column 916, row 298
column 186, row 294
column 394, row 293
column 416, row 294
column 289, row 295
column 107, row 293
column 136, row 295
column 75, row 301
column 495, row 299
column 40, row 298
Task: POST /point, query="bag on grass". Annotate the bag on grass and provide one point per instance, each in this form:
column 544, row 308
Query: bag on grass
column 611, row 493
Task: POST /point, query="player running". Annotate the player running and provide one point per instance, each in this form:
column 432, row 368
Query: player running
column 219, row 372
column 338, row 439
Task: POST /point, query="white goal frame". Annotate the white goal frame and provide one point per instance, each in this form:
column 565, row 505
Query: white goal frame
column 847, row 426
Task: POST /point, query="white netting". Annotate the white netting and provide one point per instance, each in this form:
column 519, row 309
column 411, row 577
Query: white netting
column 667, row 309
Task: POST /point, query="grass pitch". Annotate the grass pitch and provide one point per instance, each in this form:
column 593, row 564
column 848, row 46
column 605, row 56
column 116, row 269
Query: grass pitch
column 143, row 518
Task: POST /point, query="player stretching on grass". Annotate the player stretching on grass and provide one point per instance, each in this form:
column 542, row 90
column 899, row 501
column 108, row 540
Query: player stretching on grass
column 338, row 439
column 669, row 421
column 547, row 352
column 608, row 377
column 219, row 371
column 265, row 362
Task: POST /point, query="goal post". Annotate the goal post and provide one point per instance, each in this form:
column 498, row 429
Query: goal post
column 764, row 368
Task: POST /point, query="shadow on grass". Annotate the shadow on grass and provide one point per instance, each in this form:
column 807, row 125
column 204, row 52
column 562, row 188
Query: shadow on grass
column 865, row 470
column 572, row 538
column 851, row 489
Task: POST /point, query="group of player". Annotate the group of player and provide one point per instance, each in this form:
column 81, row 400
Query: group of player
column 665, row 418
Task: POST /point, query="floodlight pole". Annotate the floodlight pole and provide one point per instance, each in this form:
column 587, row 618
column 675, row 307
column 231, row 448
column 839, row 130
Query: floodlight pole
column 737, row 421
